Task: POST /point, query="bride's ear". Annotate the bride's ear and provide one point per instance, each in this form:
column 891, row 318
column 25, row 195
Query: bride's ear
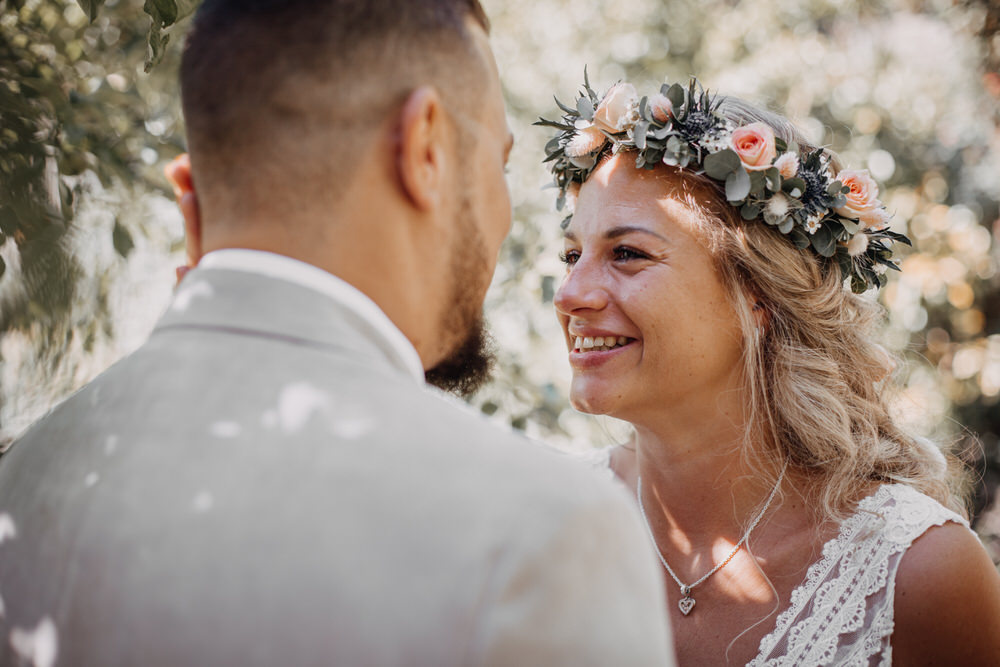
column 420, row 148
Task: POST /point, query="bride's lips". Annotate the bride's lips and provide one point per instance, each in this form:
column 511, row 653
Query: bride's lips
column 597, row 348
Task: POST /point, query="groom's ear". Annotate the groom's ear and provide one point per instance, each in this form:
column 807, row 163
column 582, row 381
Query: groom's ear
column 178, row 172
column 420, row 148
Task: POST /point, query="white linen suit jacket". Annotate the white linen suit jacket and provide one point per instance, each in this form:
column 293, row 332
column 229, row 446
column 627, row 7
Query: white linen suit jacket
column 263, row 483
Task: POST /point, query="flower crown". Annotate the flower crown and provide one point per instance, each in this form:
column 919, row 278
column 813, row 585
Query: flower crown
column 840, row 218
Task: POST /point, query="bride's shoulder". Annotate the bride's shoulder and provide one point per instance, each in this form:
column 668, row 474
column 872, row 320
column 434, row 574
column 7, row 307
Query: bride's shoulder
column 947, row 593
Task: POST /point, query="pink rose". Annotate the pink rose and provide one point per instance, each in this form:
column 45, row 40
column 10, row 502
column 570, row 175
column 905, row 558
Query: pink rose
column 660, row 107
column 862, row 199
column 787, row 164
column 754, row 143
column 585, row 142
column 618, row 111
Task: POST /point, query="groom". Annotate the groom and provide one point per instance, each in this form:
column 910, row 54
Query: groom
column 267, row 481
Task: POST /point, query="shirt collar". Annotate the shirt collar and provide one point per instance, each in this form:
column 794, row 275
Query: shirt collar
column 293, row 270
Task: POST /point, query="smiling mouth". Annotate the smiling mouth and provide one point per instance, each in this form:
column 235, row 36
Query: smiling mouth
column 599, row 343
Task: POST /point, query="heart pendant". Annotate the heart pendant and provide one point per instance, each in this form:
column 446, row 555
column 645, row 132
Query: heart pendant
column 686, row 604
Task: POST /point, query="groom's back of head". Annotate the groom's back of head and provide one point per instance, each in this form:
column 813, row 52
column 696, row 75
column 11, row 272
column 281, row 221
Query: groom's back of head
column 281, row 96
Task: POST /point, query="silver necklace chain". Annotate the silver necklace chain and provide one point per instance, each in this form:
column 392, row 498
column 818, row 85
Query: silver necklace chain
column 686, row 603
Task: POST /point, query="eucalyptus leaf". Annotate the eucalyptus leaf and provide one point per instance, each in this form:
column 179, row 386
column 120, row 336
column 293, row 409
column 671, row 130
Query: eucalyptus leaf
column 722, row 164
column 585, row 108
column 737, row 185
column 639, row 134
column 757, row 183
column 643, row 109
column 661, row 133
column 799, row 238
column 850, row 226
column 786, row 225
column 675, row 94
column 834, row 188
column 750, row 211
column 584, row 162
column 773, row 177
column 552, row 146
column 674, row 144
column 823, row 242
column 794, row 186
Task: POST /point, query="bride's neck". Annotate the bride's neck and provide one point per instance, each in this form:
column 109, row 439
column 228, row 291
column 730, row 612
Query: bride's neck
column 695, row 478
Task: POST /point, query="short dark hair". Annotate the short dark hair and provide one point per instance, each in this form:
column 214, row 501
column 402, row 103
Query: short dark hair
column 290, row 81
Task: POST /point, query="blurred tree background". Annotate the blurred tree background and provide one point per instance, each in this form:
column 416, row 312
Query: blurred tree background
column 909, row 89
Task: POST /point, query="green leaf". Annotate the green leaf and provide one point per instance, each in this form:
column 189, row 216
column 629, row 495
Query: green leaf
column 584, row 162
column 722, row 164
column 780, row 145
column 850, row 226
column 639, row 134
column 794, row 186
column 834, row 188
column 773, row 177
column 750, row 211
column 823, row 242
column 552, row 146
column 675, row 94
column 90, row 8
column 757, row 183
column 163, row 12
column 564, row 107
column 786, row 225
column 643, row 109
column 737, row 185
column 158, row 41
column 585, row 108
column 799, row 238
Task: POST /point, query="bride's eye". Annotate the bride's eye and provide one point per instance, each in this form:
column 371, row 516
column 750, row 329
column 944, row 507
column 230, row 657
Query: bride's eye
column 569, row 257
column 625, row 253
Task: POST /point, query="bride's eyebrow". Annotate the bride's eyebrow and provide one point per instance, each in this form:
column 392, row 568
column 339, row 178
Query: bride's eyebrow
column 616, row 232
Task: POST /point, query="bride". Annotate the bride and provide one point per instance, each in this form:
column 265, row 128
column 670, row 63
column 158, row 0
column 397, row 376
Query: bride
column 704, row 303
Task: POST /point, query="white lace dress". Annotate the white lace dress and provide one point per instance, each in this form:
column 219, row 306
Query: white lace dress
column 842, row 614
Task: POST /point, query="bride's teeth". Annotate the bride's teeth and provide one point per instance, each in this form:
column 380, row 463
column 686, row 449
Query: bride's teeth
column 622, row 340
column 588, row 342
column 599, row 341
column 579, row 343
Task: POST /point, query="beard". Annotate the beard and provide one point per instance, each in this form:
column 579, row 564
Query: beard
column 469, row 364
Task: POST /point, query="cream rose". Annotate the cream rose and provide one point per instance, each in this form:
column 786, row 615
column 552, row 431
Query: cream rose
column 862, row 199
column 787, row 164
column 754, row 143
column 618, row 111
column 585, row 142
column 660, row 107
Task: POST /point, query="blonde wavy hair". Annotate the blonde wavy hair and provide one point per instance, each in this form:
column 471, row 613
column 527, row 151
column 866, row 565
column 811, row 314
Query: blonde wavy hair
column 817, row 378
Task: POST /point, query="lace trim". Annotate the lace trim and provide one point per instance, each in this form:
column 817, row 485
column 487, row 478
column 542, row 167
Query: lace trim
column 842, row 586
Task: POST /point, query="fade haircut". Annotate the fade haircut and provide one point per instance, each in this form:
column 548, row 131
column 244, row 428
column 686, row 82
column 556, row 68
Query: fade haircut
column 279, row 96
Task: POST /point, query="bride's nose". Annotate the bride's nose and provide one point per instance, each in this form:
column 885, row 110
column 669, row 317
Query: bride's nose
column 582, row 288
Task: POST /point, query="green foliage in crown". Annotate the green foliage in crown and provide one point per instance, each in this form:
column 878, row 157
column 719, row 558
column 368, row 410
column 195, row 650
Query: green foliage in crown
column 839, row 217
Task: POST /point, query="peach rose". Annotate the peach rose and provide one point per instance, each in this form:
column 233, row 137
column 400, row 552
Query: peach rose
column 862, row 199
column 660, row 107
column 754, row 143
column 618, row 111
column 585, row 142
column 787, row 164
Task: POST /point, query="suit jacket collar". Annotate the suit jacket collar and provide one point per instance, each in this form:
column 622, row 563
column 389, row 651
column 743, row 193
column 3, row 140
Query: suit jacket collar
column 234, row 293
